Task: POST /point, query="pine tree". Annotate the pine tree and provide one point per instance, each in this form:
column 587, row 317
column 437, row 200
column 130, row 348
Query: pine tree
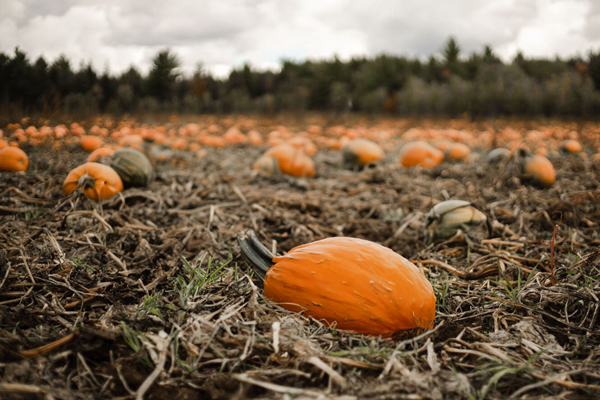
column 163, row 75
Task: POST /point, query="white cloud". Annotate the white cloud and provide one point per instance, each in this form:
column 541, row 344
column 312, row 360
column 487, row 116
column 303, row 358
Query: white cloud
column 226, row 33
column 558, row 29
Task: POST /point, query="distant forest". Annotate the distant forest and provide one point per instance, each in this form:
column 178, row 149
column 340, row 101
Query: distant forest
column 450, row 84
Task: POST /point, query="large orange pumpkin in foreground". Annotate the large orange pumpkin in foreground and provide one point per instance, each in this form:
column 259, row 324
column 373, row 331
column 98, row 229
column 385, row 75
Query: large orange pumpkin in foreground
column 358, row 285
column 420, row 153
column 360, row 152
column 98, row 181
column 292, row 161
column 13, row 159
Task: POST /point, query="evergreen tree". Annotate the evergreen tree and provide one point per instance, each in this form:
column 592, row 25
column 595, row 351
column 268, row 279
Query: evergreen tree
column 162, row 77
column 451, row 52
column 594, row 69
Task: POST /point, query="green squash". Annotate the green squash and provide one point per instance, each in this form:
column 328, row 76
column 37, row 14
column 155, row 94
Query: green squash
column 133, row 167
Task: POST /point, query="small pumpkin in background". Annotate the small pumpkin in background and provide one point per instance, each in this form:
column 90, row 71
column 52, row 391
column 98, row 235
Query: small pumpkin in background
column 305, row 144
column 457, row 152
column 292, row 161
column 194, row 147
column 420, row 153
column 179, row 144
column 133, row 167
column 267, row 165
column 357, row 284
column 213, row 141
column 447, row 217
column 441, row 144
column 100, row 153
column 357, row 153
column 255, row 138
column 235, row 136
column 97, row 181
column 13, row 159
column 570, row 146
column 3, row 143
column 90, row 143
column 535, row 168
column 595, row 159
column 135, row 141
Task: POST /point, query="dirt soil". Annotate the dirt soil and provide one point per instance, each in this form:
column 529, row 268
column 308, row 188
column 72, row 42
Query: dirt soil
column 146, row 294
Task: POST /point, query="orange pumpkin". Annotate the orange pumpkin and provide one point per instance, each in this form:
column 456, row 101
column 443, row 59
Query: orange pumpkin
column 255, row 138
column 213, row 141
column 360, row 152
column 539, row 169
column 441, row 144
column 235, row 136
column 99, row 153
column 13, row 159
column 3, row 143
column 596, row 161
column 98, row 181
column 305, row 144
column 358, row 285
column 457, row 152
column 179, row 144
column 193, row 147
column 292, row 161
column 420, row 153
column 90, row 143
column 571, row 146
column 135, row 141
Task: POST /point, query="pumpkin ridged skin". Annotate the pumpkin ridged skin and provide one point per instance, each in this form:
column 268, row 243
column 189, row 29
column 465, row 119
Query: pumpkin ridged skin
column 540, row 170
column 133, row 167
column 13, row 159
column 292, row 161
column 360, row 152
column 98, row 181
column 360, row 285
column 420, row 153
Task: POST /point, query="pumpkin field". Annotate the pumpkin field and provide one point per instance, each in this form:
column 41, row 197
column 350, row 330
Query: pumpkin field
column 122, row 274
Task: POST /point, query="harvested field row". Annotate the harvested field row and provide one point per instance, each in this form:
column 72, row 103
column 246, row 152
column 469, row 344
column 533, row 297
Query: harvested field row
column 146, row 295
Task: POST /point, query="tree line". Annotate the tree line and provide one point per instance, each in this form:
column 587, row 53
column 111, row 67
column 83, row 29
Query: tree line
column 448, row 84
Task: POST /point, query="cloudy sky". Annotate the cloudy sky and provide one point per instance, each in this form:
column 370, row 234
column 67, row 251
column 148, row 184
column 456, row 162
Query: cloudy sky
column 223, row 34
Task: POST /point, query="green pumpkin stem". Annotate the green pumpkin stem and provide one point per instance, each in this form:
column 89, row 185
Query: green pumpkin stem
column 256, row 254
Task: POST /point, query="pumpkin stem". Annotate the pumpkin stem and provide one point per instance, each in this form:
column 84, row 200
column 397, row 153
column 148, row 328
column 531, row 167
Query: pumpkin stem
column 86, row 182
column 255, row 254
